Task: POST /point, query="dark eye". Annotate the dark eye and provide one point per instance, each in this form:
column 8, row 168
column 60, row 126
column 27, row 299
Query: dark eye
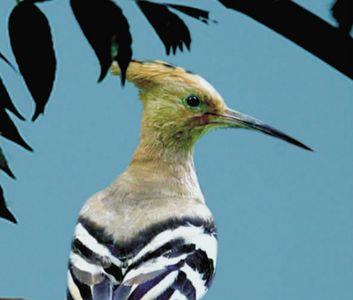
column 193, row 101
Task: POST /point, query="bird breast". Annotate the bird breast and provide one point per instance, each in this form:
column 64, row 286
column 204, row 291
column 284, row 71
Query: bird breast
column 123, row 220
column 131, row 205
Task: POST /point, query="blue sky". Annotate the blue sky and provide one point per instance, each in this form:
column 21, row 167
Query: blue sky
column 284, row 215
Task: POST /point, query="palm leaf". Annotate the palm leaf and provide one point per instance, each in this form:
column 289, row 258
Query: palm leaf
column 107, row 30
column 3, row 57
column 342, row 11
column 171, row 29
column 4, row 211
column 4, row 165
column 6, row 102
column 8, row 130
column 196, row 13
column 32, row 45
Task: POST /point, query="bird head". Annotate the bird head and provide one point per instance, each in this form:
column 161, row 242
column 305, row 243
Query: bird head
column 180, row 107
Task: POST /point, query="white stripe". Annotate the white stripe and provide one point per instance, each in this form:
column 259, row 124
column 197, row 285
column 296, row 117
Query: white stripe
column 157, row 264
column 205, row 242
column 178, row 296
column 191, row 234
column 73, row 289
column 91, row 243
column 160, row 287
column 196, row 280
column 79, row 263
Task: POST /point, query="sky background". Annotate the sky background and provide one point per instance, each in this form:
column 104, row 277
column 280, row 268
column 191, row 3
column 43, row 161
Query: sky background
column 284, row 215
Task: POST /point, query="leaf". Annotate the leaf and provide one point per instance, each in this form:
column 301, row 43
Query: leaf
column 4, row 211
column 32, row 45
column 303, row 28
column 3, row 57
column 4, row 165
column 342, row 11
column 107, row 30
column 172, row 30
column 6, row 102
column 8, row 130
column 35, row 1
column 199, row 14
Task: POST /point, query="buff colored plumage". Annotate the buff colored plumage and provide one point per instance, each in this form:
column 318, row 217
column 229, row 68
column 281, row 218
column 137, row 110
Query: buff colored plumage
column 150, row 234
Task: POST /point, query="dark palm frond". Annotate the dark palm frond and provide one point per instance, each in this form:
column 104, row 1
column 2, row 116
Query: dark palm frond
column 4, row 211
column 342, row 11
column 171, row 29
column 3, row 57
column 301, row 27
column 6, row 102
column 32, row 45
column 196, row 13
column 34, row 1
column 8, row 130
column 107, row 30
column 4, row 166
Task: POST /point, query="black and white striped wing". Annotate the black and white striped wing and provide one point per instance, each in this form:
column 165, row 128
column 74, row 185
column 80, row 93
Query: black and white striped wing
column 93, row 271
column 177, row 264
column 175, row 261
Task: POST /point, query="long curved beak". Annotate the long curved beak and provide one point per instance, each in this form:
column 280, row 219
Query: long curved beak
column 232, row 118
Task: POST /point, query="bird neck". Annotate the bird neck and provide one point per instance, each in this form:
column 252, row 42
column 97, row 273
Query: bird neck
column 153, row 178
column 163, row 171
column 162, row 143
column 155, row 153
column 151, row 157
column 163, row 162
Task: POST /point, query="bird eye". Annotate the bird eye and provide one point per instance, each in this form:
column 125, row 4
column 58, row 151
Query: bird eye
column 193, row 101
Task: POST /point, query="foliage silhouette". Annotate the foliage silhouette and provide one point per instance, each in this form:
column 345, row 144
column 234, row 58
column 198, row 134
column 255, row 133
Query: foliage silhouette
column 4, row 211
column 4, row 165
column 3, row 57
column 6, row 101
column 107, row 30
column 342, row 11
column 105, row 27
column 32, row 46
column 8, row 130
column 313, row 34
column 199, row 14
column 171, row 29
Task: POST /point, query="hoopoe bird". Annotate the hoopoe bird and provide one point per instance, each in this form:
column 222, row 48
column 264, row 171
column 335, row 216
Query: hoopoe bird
column 150, row 234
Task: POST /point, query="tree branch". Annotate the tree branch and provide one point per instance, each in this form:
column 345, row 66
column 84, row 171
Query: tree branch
column 301, row 27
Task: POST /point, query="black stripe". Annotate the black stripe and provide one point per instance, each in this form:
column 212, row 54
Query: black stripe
column 131, row 248
column 166, row 294
column 114, row 271
column 200, row 262
column 182, row 249
column 156, row 253
column 79, row 248
column 82, row 250
column 143, row 288
column 184, row 286
column 85, row 290
column 167, row 65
